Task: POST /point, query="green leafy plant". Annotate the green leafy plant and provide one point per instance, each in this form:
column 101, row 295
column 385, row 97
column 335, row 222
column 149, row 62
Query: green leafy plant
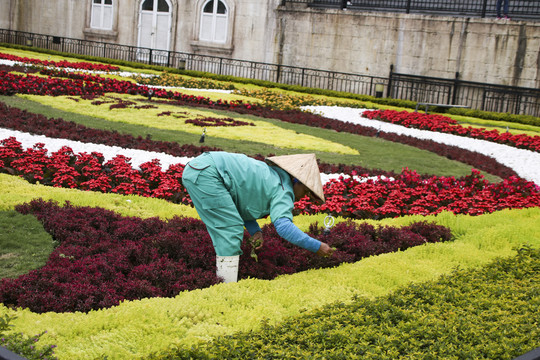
column 22, row 344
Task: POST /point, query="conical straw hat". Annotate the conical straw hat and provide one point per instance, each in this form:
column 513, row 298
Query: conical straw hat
column 303, row 167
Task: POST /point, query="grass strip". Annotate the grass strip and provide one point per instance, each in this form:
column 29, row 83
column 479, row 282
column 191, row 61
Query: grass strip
column 24, row 244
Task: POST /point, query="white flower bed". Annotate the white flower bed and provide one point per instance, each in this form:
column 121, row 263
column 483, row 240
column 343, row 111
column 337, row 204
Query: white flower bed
column 525, row 163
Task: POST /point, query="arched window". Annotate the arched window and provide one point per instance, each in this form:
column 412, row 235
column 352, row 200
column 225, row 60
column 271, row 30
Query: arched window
column 155, row 24
column 214, row 21
column 155, row 5
column 102, row 14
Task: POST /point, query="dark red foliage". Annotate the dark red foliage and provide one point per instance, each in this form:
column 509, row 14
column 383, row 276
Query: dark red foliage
column 218, row 122
column 104, row 258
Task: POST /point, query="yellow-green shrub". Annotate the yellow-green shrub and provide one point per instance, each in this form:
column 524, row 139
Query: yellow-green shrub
column 16, row 190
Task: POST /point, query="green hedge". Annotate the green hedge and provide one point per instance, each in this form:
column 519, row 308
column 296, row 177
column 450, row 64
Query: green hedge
column 487, row 313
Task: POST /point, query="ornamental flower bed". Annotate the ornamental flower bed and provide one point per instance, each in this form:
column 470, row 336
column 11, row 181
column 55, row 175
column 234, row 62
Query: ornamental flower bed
column 16, row 119
column 102, row 263
column 444, row 124
column 93, row 86
column 104, row 258
column 410, row 194
column 61, row 64
column 406, row 194
column 170, row 80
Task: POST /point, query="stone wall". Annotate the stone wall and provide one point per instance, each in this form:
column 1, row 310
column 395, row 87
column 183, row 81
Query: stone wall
column 483, row 50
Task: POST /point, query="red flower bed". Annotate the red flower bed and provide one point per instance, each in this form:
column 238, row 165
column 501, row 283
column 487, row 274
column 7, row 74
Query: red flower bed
column 89, row 172
column 444, row 124
column 104, row 258
column 61, row 64
column 408, row 194
column 87, row 85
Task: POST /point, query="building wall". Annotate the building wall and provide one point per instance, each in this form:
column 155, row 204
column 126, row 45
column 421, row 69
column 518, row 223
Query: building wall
column 482, row 50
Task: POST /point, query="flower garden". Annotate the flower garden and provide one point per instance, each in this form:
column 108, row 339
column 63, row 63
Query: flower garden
column 132, row 270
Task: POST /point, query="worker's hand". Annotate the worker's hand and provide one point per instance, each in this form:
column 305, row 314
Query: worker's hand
column 325, row 250
column 257, row 240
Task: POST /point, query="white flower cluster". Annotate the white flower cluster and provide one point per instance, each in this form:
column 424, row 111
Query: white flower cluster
column 525, row 163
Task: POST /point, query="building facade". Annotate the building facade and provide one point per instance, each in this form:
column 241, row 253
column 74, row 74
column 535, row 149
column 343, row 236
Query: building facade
column 482, row 50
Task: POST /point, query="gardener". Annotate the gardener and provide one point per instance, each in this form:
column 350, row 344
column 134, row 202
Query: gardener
column 231, row 191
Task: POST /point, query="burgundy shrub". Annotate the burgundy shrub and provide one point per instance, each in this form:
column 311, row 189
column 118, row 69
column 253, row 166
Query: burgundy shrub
column 104, row 258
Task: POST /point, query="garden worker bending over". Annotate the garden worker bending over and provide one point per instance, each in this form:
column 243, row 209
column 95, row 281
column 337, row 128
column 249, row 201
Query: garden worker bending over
column 231, row 191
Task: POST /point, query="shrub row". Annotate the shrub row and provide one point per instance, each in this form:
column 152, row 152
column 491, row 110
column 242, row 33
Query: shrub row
column 104, row 258
column 487, row 313
column 22, row 344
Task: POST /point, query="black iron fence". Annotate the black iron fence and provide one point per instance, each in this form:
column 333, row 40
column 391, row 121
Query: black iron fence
column 518, row 9
column 482, row 96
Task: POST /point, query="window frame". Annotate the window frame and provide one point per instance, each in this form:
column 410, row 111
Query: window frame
column 224, row 47
column 214, row 18
column 103, row 7
column 101, row 34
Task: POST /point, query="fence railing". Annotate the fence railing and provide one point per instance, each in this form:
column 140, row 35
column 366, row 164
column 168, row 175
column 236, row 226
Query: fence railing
column 518, row 9
column 482, row 96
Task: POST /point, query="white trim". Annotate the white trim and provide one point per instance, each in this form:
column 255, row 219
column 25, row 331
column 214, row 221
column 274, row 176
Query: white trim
column 212, row 47
column 103, row 9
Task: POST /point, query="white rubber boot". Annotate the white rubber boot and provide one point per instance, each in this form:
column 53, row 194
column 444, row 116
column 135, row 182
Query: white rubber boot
column 227, row 268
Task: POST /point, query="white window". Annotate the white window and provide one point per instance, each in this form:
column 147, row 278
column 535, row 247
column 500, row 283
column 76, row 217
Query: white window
column 214, row 21
column 102, row 14
column 155, row 24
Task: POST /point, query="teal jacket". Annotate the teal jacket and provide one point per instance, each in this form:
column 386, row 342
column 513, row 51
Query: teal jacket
column 258, row 190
